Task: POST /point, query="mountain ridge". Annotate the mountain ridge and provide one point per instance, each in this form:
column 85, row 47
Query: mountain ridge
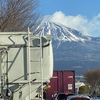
column 72, row 49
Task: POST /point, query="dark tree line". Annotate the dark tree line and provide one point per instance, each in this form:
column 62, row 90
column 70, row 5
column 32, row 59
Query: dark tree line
column 18, row 15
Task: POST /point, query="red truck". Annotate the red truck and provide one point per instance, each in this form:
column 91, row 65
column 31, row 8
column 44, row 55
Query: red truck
column 63, row 81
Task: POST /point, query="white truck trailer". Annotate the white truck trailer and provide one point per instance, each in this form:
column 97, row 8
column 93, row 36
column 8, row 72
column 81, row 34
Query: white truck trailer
column 26, row 63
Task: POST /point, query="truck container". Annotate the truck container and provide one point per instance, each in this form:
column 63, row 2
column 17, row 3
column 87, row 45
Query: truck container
column 63, row 81
column 26, row 63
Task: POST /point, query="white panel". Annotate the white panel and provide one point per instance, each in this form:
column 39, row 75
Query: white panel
column 17, row 64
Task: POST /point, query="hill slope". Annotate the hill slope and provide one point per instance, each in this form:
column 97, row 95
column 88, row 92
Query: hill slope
column 72, row 49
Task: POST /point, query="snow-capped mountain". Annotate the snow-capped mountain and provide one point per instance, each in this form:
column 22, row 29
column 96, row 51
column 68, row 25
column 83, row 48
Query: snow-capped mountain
column 63, row 33
column 72, row 49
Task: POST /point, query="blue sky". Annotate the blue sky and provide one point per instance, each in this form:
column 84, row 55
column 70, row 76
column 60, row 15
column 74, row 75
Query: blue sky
column 82, row 15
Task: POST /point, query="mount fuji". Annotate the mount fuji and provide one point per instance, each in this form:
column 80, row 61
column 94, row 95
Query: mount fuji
column 72, row 50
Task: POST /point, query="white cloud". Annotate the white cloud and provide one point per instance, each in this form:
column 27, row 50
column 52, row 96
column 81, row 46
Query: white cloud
column 94, row 26
column 80, row 23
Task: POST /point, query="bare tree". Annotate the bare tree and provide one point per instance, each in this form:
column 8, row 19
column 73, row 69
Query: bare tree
column 18, row 15
column 93, row 79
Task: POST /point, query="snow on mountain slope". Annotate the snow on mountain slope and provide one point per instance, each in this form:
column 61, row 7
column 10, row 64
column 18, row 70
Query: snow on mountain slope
column 62, row 33
column 72, row 48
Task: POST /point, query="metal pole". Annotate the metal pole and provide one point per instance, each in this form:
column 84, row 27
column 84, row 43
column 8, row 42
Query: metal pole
column 41, row 68
column 29, row 65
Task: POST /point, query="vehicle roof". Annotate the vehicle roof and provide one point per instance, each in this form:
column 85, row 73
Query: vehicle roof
column 71, row 96
column 64, row 95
